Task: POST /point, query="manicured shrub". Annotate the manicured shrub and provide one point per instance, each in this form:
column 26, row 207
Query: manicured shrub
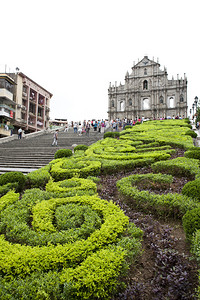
column 191, row 133
column 63, row 153
column 75, row 246
column 67, row 168
column 195, row 244
column 180, row 166
column 38, row 178
column 114, row 166
column 112, row 134
column 193, row 154
column 94, row 179
column 80, row 147
column 14, row 177
column 173, row 205
column 192, row 189
column 128, row 127
column 191, row 222
column 8, row 199
column 73, row 185
column 7, row 187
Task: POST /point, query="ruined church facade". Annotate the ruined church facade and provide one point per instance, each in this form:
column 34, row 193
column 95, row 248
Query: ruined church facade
column 148, row 93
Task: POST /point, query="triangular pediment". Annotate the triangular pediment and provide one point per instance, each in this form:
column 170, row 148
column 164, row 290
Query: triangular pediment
column 146, row 62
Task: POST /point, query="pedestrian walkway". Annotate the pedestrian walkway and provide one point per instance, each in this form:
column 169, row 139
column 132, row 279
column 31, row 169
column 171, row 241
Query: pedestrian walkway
column 197, row 140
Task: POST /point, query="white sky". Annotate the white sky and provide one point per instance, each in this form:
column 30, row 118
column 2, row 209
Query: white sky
column 75, row 48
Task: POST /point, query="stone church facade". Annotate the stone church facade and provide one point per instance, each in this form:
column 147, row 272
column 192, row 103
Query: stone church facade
column 148, row 93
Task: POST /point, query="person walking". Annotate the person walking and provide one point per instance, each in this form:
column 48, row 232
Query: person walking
column 19, row 133
column 55, row 138
column 87, row 128
column 102, row 126
column 75, row 127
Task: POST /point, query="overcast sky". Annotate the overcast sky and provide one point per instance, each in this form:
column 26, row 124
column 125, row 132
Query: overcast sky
column 75, row 48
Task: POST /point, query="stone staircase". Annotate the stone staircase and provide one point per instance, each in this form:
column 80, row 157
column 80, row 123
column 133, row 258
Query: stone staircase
column 35, row 151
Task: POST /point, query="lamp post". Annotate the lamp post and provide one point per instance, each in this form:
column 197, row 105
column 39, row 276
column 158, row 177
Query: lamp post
column 193, row 105
column 196, row 101
column 190, row 113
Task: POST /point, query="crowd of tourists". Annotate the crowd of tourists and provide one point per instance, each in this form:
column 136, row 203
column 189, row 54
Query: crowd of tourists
column 98, row 126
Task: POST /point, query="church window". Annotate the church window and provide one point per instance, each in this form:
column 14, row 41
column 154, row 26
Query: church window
column 112, row 103
column 145, row 85
column 171, row 102
column 130, row 102
column 145, row 71
column 121, row 105
column 181, row 98
column 161, row 99
column 146, row 103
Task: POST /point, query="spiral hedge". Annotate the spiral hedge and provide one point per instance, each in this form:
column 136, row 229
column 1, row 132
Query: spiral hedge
column 76, row 244
column 67, row 168
column 72, row 187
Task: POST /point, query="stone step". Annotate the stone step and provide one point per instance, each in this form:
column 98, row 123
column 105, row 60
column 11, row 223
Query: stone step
column 25, row 171
column 35, row 151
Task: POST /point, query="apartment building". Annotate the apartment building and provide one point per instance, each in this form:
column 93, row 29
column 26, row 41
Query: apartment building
column 7, row 104
column 28, row 105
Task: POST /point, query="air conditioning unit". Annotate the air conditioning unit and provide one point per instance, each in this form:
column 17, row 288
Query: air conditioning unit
column 19, row 106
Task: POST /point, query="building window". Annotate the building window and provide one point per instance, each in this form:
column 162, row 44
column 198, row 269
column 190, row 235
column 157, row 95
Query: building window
column 112, row 103
column 181, row 98
column 146, row 103
column 130, row 102
column 161, row 99
column 171, row 102
column 145, row 71
column 121, row 106
column 145, row 85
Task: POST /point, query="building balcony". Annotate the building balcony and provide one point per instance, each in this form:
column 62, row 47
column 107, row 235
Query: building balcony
column 31, row 113
column 4, row 132
column 6, row 107
column 23, row 107
column 4, row 93
column 32, row 99
column 31, row 123
column 5, row 113
column 24, row 95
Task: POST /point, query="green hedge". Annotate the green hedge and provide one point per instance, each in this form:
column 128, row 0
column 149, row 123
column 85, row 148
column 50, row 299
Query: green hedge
column 191, row 133
column 114, row 166
column 173, row 205
column 80, row 147
column 180, row 166
column 85, row 268
column 192, row 189
column 38, row 178
column 193, row 154
column 111, row 134
column 63, row 153
column 8, row 199
column 67, row 168
column 7, row 187
column 191, row 222
column 18, row 178
column 72, row 186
